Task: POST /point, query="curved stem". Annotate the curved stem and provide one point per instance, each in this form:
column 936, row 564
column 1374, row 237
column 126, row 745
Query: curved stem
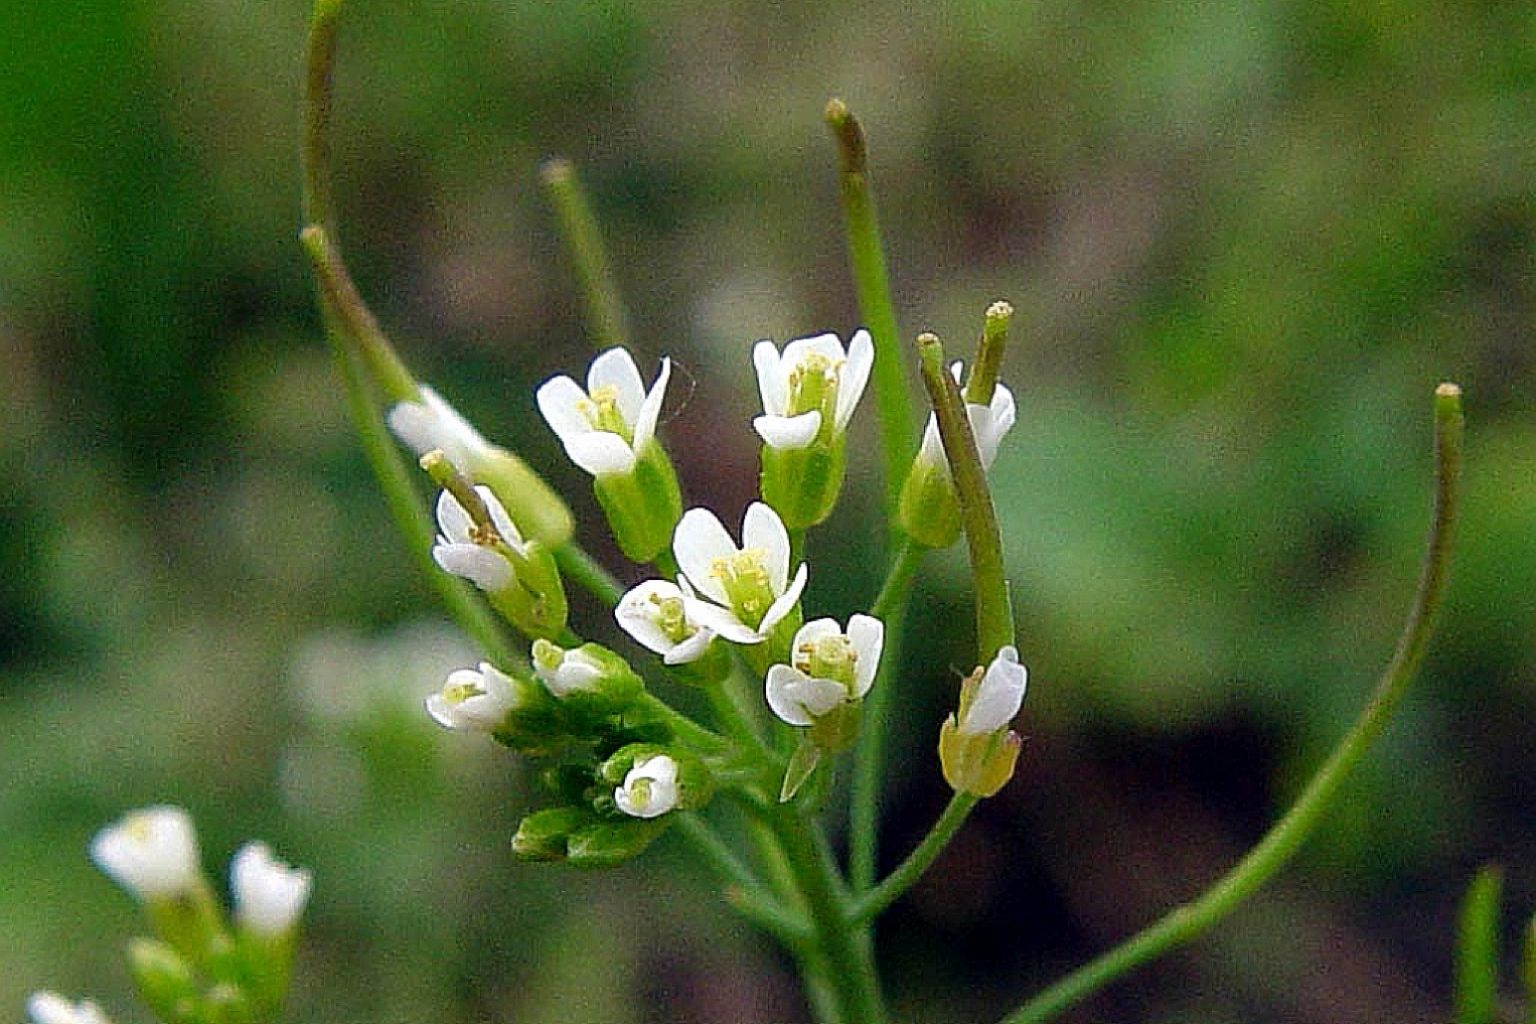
column 869, row 758
column 744, row 892
column 1286, row 836
column 910, row 870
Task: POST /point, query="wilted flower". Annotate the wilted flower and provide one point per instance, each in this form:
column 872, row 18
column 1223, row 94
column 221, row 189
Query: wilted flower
column 431, row 424
column 997, row 698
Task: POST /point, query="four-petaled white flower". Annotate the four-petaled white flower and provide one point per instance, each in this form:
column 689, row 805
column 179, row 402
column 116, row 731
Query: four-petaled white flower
column 151, row 853
column 606, row 426
column 269, row 895
column 811, row 382
column 567, row 671
column 431, row 424
column 749, row 585
column 659, row 615
column 650, row 788
column 473, row 700
column 831, row 667
column 52, row 1008
column 989, row 423
column 998, row 696
column 457, row 550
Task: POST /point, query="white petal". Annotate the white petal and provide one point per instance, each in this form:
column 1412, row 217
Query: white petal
column 785, row 603
column 798, row 698
column 999, row 695
column 601, row 453
column 788, row 432
column 432, row 423
column 855, row 375
column 499, row 517
column 932, row 450
column 269, row 895
column 453, row 521
column 762, row 528
column 560, row 401
column 52, row 1008
column 723, row 622
column 152, row 852
column 691, row 649
column 699, row 539
column 771, row 384
column 1002, row 416
column 867, row 635
column 829, row 346
column 616, row 368
column 481, row 566
column 816, row 629
column 636, row 614
column 650, row 409
column 657, row 768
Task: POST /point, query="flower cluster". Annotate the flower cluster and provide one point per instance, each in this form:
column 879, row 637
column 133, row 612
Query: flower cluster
column 199, row 965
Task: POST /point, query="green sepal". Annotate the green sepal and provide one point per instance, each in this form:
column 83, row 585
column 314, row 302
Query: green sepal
column 802, row 484
column 929, row 511
column 544, row 835
column 535, row 725
column 802, row 763
column 607, row 844
column 708, row 669
column 643, row 505
column 535, row 600
column 226, row 1004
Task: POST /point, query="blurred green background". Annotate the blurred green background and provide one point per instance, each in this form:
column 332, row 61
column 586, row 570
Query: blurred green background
column 1245, row 240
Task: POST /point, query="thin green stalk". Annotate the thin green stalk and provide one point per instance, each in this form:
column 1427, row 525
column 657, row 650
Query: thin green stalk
column 1286, row 836
column 850, row 966
column 684, row 726
column 1528, row 970
column 869, row 906
column 745, row 892
column 605, row 309
column 994, row 611
column 890, row 607
column 871, row 283
column 586, row 572
column 1477, row 949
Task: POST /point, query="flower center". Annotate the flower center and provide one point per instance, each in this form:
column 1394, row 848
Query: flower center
column 601, row 409
column 813, row 386
column 669, row 616
column 641, row 793
column 458, row 693
column 746, row 583
column 828, row 657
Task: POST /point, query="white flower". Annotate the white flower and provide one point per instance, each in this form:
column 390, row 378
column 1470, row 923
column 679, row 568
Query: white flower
column 811, row 381
column 989, row 423
column 998, row 695
column 433, row 425
column 608, row 425
column 830, row 667
column 457, row 552
column 52, row 1008
column 565, row 672
column 473, row 701
column 650, row 788
column 269, row 895
column 658, row 615
column 749, row 585
column 151, row 853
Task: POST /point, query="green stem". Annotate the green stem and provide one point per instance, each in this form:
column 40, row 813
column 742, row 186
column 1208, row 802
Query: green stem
column 994, row 611
column 1477, row 949
column 850, row 966
column 583, row 240
column 586, row 572
column 685, row 727
column 744, row 892
column 869, row 758
column 871, row 283
column 1286, row 836
column 918, row 861
column 1528, row 970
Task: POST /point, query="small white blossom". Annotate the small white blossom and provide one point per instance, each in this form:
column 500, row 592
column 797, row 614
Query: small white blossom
column 567, row 671
column 151, row 852
column 831, row 667
column 998, row 696
column 658, row 615
column 52, row 1008
column 606, row 426
column 457, row 552
column 473, row 700
column 989, row 423
column 433, row 425
column 650, row 788
column 269, row 895
column 748, row 587
column 811, row 380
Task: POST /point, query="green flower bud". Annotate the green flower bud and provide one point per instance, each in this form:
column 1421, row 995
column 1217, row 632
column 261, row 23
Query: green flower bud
column 591, row 683
column 164, row 979
column 544, row 834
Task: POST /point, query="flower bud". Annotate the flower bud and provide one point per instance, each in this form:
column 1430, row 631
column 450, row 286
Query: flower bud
column 649, row 780
column 590, row 682
column 544, row 834
column 164, row 979
column 151, row 853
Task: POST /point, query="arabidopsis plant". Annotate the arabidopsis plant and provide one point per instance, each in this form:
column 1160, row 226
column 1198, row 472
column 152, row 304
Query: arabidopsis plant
column 649, row 789
column 830, row 667
column 659, row 615
column 52, row 1008
column 473, row 700
column 607, row 425
column 152, row 853
column 269, row 895
column 748, row 588
column 811, row 389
